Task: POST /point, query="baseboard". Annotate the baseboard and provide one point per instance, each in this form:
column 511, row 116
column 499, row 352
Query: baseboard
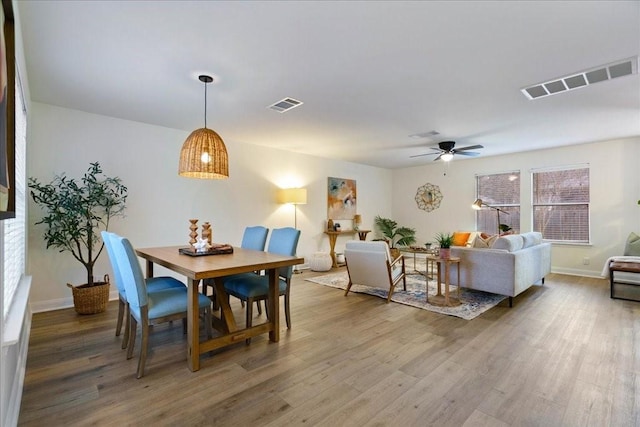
column 60, row 303
column 578, row 272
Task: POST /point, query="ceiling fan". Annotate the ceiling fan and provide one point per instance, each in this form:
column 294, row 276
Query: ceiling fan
column 446, row 151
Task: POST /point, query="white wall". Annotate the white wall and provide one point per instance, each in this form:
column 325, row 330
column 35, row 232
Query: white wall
column 161, row 203
column 615, row 190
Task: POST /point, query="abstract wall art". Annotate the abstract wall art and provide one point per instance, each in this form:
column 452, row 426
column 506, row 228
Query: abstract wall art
column 341, row 198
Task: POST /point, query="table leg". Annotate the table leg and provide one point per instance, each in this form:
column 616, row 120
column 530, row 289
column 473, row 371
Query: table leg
column 193, row 333
column 446, row 283
column 458, row 280
column 332, row 246
column 426, row 277
column 226, row 315
column 274, row 305
column 439, row 279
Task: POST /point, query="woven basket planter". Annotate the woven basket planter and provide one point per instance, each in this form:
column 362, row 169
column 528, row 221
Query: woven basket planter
column 91, row 299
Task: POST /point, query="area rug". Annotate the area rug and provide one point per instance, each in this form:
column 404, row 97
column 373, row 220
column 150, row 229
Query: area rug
column 474, row 303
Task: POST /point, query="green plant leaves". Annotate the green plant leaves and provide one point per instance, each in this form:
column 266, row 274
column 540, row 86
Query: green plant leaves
column 76, row 211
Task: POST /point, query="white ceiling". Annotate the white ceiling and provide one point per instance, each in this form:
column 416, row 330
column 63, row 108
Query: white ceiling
column 369, row 73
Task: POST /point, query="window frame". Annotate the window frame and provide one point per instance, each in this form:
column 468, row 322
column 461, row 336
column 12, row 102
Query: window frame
column 535, row 205
column 510, row 208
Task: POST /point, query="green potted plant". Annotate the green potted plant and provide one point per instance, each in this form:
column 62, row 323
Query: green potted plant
column 444, row 241
column 395, row 235
column 504, row 228
column 75, row 211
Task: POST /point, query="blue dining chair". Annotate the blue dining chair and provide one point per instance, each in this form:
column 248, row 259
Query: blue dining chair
column 253, row 287
column 153, row 284
column 154, row 308
column 255, row 238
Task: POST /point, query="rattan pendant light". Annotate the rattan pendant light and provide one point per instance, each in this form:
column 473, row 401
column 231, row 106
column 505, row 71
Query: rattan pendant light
column 204, row 154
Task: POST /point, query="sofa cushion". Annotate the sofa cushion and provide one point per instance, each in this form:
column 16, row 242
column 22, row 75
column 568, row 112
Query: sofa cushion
column 511, row 243
column 531, row 239
column 632, row 247
column 460, row 238
column 484, row 242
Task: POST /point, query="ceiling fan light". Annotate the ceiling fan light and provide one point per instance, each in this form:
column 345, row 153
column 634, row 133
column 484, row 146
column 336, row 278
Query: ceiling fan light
column 447, row 157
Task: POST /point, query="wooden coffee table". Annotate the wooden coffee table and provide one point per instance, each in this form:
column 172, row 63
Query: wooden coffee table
column 439, row 298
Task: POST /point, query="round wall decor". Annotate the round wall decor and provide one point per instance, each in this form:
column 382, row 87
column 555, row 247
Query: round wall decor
column 428, row 197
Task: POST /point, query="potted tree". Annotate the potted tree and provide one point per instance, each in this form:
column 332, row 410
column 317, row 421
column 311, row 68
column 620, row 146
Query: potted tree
column 444, row 241
column 75, row 211
column 395, row 235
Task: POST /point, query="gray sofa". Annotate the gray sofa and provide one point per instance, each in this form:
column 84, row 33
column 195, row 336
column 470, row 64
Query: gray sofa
column 513, row 264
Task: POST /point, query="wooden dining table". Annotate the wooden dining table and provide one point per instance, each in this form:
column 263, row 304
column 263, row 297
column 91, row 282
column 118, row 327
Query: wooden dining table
column 197, row 268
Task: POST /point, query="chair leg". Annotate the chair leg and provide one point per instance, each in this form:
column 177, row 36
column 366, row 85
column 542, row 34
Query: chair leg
column 208, row 322
column 259, row 307
column 132, row 336
column 120, row 316
column 348, row 287
column 287, row 312
column 249, row 317
column 144, row 342
column 391, row 289
column 127, row 325
column 214, row 296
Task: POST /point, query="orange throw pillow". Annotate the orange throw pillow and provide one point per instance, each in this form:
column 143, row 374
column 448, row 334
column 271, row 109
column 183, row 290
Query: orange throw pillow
column 460, row 239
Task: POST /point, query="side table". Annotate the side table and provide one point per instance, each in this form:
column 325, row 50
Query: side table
column 439, row 299
column 427, row 252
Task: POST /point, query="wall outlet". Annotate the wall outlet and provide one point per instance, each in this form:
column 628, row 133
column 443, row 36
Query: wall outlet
column 585, row 261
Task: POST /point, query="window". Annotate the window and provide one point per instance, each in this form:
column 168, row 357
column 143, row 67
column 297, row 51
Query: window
column 14, row 235
column 501, row 192
column 561, row 204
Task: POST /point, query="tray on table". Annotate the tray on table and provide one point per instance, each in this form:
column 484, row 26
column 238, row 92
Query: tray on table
column 215, row 249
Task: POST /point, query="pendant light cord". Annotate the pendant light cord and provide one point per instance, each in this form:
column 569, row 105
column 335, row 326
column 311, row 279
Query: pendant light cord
column 205, row 105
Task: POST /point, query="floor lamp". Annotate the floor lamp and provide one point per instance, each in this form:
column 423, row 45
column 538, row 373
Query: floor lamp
column 295, row 197
column 478, row 204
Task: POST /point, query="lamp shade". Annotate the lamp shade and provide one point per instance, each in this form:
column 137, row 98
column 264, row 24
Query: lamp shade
column 477, row 204
column 357, row 219
column 294, row 196
column 204, row 156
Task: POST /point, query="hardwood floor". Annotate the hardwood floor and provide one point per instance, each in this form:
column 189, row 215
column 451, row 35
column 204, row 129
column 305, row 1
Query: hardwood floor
column 564, row 355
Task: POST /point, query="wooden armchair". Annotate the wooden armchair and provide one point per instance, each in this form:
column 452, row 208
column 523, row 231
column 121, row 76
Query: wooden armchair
column 371, row 264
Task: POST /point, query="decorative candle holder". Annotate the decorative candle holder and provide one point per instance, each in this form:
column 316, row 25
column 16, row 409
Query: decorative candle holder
column 194, row 231
column 207, row 233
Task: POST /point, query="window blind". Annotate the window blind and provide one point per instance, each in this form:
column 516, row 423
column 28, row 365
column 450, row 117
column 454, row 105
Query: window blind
column 14, row 229
column 561, row 204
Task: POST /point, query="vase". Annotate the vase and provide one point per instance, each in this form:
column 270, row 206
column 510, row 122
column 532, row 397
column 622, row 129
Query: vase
column 330, row 225
column 445, row 253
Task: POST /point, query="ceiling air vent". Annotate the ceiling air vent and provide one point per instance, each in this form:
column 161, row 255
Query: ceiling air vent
column 582, row 78
column 285, row 105
column 423, row 135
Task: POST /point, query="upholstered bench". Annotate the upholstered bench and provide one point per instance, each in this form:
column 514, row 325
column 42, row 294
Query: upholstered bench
column 631, row 275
